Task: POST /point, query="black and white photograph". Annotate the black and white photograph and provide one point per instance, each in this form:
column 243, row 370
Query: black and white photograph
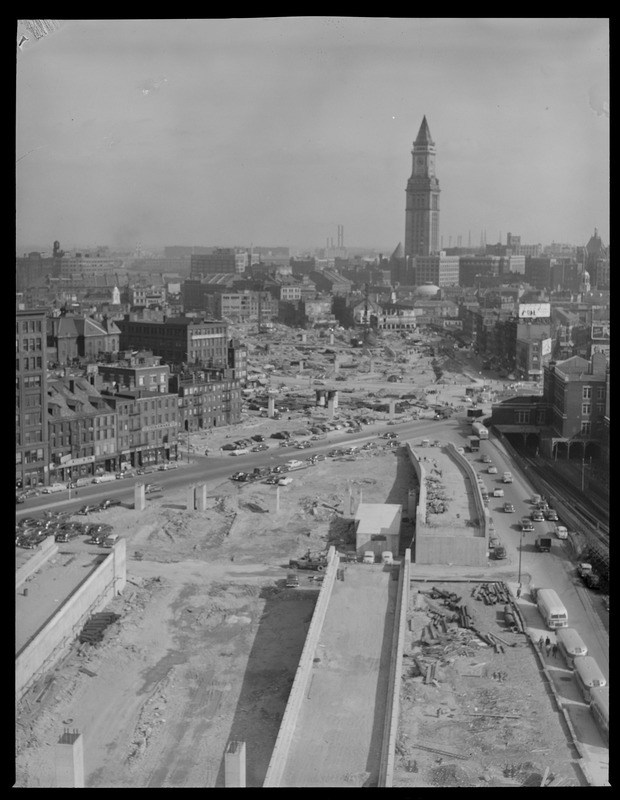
column 312, row 402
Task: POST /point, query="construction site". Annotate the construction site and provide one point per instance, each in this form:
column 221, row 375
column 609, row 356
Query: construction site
column 208, row 671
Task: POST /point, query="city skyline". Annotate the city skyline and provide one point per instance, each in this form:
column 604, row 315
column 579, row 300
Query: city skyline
column 277, row 131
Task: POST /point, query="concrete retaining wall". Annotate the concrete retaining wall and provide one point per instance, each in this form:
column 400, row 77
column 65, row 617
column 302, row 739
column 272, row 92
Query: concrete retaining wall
column 43, row 553
column 420, row 512
column 302, row 676
column 390, row 734
column 93, row 594
column 463, row 550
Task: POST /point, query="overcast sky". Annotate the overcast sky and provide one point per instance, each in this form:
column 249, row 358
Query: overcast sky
column 232, row 132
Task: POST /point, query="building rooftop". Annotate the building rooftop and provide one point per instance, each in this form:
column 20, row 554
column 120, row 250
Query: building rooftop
column 374, row 517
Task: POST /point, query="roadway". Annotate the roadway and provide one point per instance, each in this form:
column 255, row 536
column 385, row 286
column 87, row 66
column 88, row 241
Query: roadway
column 220, row 465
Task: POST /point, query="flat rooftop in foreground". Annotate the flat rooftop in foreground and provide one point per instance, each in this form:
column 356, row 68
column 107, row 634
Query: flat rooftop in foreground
column 374, row 517
column 339, row 730
column 50, row 587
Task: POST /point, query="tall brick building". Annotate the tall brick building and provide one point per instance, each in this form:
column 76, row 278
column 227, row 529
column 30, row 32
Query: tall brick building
column 31, row 434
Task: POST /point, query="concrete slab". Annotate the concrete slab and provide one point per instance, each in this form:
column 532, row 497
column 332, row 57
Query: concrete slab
column 338, row 736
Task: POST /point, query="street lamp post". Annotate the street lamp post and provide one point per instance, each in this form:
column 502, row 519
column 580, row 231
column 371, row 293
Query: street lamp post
column 520, row 551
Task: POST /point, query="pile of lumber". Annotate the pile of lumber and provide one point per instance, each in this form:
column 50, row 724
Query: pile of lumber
column 93, row 630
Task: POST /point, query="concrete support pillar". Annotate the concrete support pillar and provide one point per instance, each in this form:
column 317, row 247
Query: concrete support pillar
column 271, row 406
column 201, row 497
column 190, row 497
column 139, row 498
column 69, row 761
column 371, row 365
column 277, row 498
column 392, row 407
column 234, row 765
column 331, row 404
column 336, row 365
column 304, row 337
column 301, row 367
column 331, row 338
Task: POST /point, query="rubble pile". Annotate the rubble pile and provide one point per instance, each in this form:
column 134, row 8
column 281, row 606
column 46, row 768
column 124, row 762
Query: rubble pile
column 436, row 497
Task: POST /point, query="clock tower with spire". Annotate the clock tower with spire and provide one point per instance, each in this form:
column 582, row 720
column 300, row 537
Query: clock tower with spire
column 422, row 207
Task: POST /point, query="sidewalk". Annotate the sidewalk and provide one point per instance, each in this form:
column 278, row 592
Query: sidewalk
column 590, row 744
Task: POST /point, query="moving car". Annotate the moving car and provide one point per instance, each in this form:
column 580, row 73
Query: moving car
column 284, row 481
column 259, row 448
column 507, row 477
column 527, row 526
column 509, row 508
column 492, row 470
column 498, row 493
column 552, row 515
column 486, row 459
column 54, row 487
column 152, row 487
column 537, row 515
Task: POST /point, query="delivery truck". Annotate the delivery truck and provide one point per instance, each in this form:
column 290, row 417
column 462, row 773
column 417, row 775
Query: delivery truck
column 543, row 543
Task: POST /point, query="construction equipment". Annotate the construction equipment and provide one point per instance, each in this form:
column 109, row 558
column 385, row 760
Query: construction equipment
column 588, row 576
column 315, row 561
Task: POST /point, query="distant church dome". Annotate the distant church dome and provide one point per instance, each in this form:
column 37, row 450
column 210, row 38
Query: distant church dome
column 427, row 290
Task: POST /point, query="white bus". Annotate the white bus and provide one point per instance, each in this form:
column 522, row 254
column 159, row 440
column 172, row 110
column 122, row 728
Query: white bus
column 588, row 675
column 479, row 430
column 551, row 608
column 570, row 644
column 599, row 707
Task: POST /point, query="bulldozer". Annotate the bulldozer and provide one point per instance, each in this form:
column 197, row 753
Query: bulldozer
column 316, row 561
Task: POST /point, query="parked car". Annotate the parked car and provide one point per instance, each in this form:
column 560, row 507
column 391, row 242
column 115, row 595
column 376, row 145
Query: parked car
column 292, row 580
column 88, row 509
column 108, row 503
column 258, row 437
column 498, row 492
column 259, row 448
column 507, row 477
column 284, row 481
column 229, row 446
column 243, row 451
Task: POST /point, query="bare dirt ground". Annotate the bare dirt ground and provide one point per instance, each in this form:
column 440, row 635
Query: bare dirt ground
column 206, row 648
column 209, row 639
column 487, row 718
